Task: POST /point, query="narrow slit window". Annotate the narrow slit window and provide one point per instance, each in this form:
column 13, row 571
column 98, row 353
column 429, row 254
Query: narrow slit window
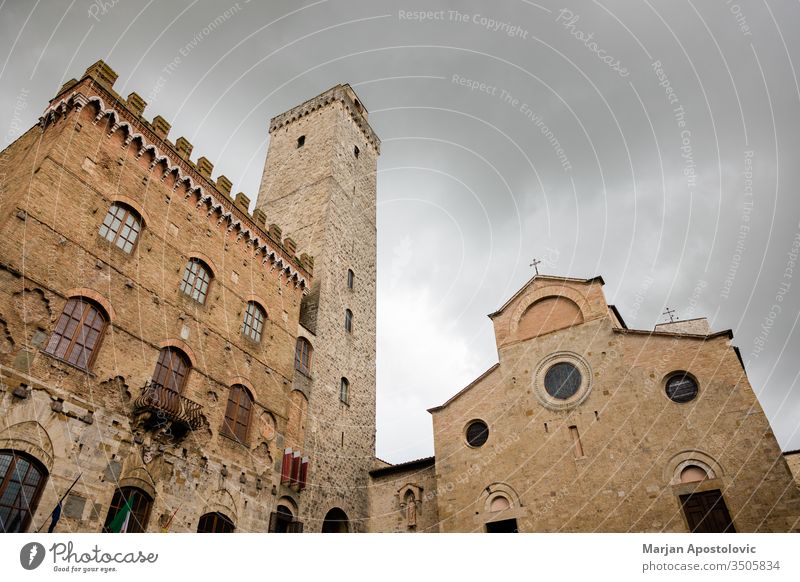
column 576, row 441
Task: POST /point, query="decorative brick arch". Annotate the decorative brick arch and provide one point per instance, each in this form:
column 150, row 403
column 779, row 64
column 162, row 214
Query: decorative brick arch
column 207, row 260
column 490, row 492
column 259, row 301
column 135, row 474
column 544, row 293
column 32, row 438
column 181, row 345
column 244, row 382
column 128, row 201
column 675, row 466
column 94, row 296
column 221, row 501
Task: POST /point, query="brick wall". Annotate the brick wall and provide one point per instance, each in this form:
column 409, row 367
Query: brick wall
column 58, row 184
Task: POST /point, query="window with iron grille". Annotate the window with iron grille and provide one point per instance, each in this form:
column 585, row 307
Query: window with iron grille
column 22, row 479
column 76, row 337
column 196, row 278
column 215, row 523
column 121, row 226
column 237, row 413
column 171, row 370
column 302, row 356
column 348, row 321
column 253, row 324
column 140, row 505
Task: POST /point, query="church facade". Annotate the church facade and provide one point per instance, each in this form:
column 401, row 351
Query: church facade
column 170, row 361
column 586, row 425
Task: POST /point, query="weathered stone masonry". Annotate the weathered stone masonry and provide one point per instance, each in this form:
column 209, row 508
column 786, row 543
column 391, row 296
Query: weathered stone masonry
column 93, row 148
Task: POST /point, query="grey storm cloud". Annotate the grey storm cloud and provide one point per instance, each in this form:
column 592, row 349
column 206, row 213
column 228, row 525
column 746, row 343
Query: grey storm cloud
column 655, row 143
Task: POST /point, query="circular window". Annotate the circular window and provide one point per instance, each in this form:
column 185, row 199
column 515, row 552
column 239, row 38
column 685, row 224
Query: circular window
column 681, row 387
column 562, row 380
column 477, row 433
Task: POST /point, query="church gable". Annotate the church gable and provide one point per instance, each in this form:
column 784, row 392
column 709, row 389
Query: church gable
column 547, row 304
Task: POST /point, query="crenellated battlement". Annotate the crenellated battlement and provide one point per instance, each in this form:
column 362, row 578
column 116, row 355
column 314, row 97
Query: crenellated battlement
column 343, row 93
column 173, row 159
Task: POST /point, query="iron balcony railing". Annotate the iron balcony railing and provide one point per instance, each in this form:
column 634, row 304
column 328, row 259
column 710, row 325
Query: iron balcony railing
column 168, row 406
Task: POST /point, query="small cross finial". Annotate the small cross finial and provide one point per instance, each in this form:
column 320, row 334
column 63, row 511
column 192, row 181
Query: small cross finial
column 535, row 264
column 669, row 313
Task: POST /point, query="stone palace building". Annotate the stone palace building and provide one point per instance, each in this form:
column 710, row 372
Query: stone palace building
column 170, row 358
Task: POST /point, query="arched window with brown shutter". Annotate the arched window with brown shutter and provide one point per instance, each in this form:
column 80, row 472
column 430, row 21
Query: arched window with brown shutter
column 237, row 413
column 78, row 332
column 171, row 370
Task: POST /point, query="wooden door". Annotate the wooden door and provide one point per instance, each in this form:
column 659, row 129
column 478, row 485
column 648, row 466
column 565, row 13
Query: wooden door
column 706, row 512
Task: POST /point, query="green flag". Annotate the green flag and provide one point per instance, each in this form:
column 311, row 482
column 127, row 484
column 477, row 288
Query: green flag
column 120, row 522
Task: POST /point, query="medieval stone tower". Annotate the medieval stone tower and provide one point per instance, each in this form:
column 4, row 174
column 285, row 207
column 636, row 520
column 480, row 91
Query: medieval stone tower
column 319, row 182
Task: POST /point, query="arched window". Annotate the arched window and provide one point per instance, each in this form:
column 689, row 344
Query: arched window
column 348, row 321
column 253, row 324
column 302, row 356
column 283, row 520
column 215, row 523
column 196, row 278
column 121, row 226
column 301, row 141
column 129, row 511
column 344, row 390
column 76, row 337
column 351, row 279
column 22, row 479
column 171, row 370
column 336, row 522
column 237, row 414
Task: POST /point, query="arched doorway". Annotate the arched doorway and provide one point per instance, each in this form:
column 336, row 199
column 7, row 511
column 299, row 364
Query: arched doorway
column 335, row 522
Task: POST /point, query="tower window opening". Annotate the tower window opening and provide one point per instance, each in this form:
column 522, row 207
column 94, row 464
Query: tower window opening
column 301, row 141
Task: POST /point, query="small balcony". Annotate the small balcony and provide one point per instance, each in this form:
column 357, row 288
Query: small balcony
column 163, row 409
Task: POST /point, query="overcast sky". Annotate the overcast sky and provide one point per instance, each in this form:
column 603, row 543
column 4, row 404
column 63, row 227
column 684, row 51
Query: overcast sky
column 656, row 144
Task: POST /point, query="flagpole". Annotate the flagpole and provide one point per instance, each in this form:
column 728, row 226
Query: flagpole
column 169, row 523
column 60, row 501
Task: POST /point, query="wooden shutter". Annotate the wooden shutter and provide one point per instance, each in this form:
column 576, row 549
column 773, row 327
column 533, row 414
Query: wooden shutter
column 273, row 522
column 286, row 467
column 303, row 473
column 294, row 479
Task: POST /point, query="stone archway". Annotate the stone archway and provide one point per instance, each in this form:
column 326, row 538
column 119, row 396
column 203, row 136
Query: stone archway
column 336, row 522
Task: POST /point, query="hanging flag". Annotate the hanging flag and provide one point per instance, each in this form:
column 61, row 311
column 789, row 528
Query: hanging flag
column 56, row 517
column 56, row 513
column 120, row 522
